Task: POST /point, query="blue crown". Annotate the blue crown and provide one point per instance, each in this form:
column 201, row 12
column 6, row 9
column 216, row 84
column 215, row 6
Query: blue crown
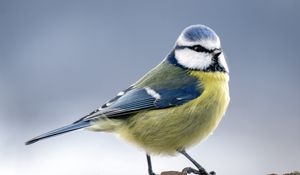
column 199, row 32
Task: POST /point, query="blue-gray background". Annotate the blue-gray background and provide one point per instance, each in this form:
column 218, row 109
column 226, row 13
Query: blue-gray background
column 61, row 59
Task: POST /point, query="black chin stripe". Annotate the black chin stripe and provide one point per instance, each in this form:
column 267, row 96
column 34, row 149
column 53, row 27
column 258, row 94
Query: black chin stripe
column 215, row 66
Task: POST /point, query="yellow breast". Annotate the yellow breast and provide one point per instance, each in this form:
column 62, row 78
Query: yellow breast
column 213, row 102
column 166, row 130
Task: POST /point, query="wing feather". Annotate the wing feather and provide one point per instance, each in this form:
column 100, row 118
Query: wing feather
column 173, row 85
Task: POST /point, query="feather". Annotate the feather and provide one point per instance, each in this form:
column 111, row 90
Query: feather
column 62, row 130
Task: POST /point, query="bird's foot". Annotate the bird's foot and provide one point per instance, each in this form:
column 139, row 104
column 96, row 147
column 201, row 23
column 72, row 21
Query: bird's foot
column 190, row 170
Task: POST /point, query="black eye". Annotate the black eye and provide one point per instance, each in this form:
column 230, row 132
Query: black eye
column 199, row 48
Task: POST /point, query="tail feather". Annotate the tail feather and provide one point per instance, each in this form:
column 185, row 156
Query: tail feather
column 62, row 130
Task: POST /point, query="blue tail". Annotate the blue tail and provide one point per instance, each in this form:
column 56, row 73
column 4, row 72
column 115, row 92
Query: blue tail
column 68, row 128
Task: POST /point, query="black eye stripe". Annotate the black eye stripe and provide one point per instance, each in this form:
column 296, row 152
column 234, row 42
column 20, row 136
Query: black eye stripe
column 196, row 48
column 199, row 48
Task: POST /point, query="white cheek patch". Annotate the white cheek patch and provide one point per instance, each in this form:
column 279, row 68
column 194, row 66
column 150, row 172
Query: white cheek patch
column 223, row 62
column 193, row 60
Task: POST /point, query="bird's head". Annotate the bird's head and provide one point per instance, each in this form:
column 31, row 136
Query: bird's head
column 198, row 47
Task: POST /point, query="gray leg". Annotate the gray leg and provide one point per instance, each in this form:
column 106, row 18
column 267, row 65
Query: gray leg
column 150, row 171
column 189, row 170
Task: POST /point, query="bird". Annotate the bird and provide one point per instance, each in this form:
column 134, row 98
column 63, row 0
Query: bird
column 174, row 106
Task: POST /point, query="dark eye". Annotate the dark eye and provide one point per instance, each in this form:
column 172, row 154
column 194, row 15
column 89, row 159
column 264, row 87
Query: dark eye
column 199, row 48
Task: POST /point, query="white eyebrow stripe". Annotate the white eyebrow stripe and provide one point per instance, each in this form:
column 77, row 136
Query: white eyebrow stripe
column 152, row 93
column 207, row 43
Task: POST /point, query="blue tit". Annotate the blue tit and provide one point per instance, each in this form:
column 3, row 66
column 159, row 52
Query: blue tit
column 174, row 106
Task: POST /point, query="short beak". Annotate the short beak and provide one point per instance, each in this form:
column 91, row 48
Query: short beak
column 217, row 52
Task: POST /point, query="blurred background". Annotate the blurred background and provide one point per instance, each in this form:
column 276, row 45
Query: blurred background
column 61, row 59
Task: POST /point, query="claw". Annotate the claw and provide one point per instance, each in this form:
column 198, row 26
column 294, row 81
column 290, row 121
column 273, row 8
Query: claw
column 212, row 173
column 190, row 170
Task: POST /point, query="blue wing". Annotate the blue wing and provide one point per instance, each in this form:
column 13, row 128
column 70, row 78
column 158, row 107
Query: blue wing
column 133, row 100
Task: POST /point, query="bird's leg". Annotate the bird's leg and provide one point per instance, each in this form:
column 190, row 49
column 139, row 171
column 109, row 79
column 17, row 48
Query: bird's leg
column 200, row 171
column 150, row 171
